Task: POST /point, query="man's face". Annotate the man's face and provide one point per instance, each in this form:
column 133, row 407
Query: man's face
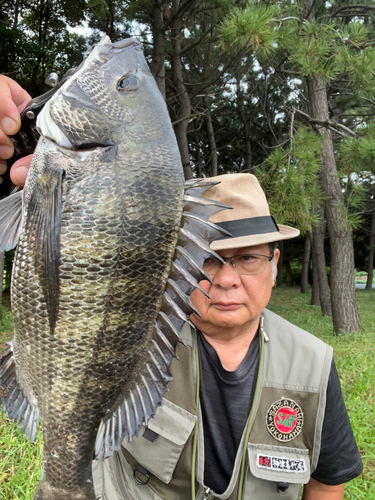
column 236, row 300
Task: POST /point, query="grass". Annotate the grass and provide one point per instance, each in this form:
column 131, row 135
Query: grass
column 21, row 461
column 355, row 358
column 361, row 277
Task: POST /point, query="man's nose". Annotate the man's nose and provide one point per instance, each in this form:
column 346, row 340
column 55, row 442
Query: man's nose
column 227, row 276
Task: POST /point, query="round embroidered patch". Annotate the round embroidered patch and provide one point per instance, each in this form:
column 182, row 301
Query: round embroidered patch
column 284, row 419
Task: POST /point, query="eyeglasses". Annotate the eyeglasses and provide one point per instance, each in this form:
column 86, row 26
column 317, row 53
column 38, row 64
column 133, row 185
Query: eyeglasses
column 249, row 264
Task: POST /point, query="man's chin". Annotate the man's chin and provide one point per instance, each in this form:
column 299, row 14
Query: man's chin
column 218, row 319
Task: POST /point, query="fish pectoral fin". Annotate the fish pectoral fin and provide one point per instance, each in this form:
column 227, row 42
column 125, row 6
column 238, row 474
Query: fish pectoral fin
column 42, row 229
column 14, row 401
column 10, row 221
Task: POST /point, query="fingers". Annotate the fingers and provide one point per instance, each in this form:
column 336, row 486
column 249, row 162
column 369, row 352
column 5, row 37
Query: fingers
column 6, row 147
column 20, row 169
column 13, row 99
column 3, row 169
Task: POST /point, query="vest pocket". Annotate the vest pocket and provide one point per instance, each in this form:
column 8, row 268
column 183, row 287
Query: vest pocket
column 272, row 467
column 172, row 426
column 279, row 463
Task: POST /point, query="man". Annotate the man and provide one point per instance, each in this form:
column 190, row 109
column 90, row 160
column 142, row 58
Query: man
column 254, row 406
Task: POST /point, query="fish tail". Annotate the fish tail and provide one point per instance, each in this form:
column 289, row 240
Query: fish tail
column 46, row 491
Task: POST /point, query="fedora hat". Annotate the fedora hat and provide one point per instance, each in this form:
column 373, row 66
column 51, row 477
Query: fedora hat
column 249, row 221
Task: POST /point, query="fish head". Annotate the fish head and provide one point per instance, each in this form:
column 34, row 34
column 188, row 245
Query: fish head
column 112, row 98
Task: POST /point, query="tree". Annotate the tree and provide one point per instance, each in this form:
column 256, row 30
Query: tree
column 324, row 55
column 35, row 41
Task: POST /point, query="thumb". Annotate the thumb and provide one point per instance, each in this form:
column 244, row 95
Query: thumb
column 20, row 169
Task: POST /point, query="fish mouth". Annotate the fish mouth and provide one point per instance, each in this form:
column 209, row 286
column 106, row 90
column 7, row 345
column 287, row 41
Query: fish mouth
column 120, row 44
column 106, row 50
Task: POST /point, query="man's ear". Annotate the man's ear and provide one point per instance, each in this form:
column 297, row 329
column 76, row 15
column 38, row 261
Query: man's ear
column 277, row 255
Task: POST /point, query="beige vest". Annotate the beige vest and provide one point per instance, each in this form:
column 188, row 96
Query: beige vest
column 281, row 448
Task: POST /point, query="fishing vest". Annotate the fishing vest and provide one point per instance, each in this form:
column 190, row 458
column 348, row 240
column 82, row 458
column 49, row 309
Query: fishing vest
column 280, row 445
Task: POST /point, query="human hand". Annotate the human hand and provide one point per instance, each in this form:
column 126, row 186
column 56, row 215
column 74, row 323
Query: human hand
column 13, row 99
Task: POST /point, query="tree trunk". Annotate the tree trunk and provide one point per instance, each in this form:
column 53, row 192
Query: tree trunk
column 211, row 137
column 16, row 14
column 246, row 122
column 279, row 279
column 370, row 265
column 315, row 294
column 344, row 308
column 306, row 265
column 288, row 269
column 320, row 266
column 157, row 64
column 183, row 98
column 198, row 152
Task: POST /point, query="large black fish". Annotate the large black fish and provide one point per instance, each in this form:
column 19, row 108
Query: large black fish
column 110, row 245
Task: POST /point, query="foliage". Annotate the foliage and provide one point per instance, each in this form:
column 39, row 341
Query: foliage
column 357, row 154
column 253, row 28
column 355, row 199
column 34, row 41
column 323, row 49
column 289, row 176
column 8, row 262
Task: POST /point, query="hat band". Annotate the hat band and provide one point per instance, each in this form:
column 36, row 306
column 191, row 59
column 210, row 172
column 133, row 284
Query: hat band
column 251, row 226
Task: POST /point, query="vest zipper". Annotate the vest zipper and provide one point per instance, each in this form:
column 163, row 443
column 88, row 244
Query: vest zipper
column 207, row 494
column 242, row 474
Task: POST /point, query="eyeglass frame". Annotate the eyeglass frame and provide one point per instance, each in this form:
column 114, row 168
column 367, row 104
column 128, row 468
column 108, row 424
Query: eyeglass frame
column 224, row 260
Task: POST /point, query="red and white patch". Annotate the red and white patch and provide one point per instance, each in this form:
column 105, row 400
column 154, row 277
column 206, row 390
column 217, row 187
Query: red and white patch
column 284, row 419
column 280, row 464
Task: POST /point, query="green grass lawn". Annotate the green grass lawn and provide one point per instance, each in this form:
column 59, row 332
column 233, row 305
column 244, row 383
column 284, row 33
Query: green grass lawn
column 21, row 461
column 355, row 358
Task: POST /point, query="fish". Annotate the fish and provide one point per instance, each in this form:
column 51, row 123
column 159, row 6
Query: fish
column 111, row 242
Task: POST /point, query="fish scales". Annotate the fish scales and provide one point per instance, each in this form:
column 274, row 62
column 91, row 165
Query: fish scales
column 97, row 301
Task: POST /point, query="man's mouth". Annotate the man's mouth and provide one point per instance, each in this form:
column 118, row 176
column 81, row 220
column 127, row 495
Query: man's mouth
column 226, row 306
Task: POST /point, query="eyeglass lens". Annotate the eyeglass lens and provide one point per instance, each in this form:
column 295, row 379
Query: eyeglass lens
column 243, row 264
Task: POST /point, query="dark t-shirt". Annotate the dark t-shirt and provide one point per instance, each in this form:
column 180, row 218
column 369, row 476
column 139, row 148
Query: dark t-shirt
column 226, row 399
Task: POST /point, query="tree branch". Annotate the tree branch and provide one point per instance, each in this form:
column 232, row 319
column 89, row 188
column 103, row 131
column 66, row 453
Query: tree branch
column 192, row 45
column 288, row 72
column 217, row 78
column 180, row 11
column 351, row 7
column 187, row 118
column 327, row 123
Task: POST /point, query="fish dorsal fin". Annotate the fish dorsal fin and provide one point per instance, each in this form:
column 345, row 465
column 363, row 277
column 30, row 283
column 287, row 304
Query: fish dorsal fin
column 193, row 247
column 10, row 221
column 15, row 403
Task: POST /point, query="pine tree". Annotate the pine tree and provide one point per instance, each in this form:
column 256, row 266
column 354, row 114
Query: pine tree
column 331, row 55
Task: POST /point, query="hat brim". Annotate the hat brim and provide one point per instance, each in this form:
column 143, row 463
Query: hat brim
column 285, row 233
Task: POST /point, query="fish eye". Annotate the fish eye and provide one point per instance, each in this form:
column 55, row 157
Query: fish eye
column 128, row 83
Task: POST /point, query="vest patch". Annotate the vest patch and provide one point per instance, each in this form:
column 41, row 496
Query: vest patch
column 281, row 464
column 284, row 419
